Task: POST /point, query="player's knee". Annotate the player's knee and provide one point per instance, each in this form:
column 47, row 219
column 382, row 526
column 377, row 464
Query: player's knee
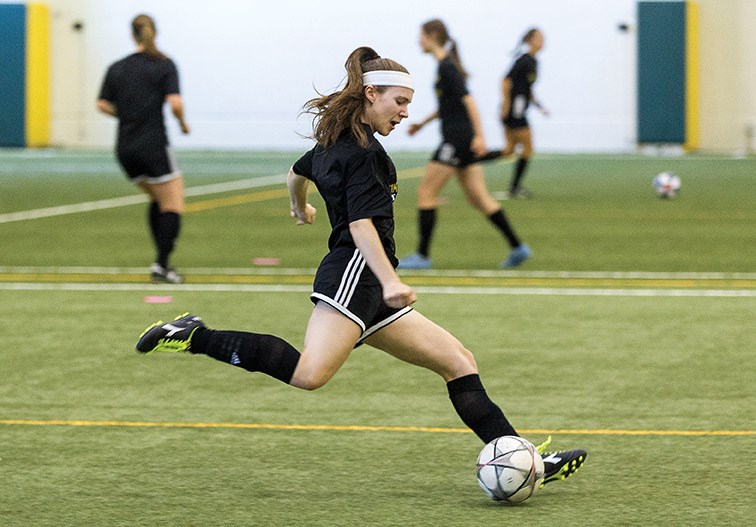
column 426, row 198
column 462, row 364
column 309, row 382
column 508, row 151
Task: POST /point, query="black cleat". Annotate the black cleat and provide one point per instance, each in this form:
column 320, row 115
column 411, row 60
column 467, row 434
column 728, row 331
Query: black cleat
column 171, row 337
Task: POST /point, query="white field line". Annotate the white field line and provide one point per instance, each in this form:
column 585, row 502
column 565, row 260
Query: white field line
column 247, row 288
column 287, row 271
column 140, row 198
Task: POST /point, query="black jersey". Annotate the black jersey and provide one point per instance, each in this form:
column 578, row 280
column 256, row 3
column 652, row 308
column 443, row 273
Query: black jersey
column 522, row 75
column 450, row 90
column 355, row 183
column 137, row 85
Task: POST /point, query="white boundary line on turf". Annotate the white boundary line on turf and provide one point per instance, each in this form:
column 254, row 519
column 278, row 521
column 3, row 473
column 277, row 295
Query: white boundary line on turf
column 247, row 288
column 288, row 271
column 123, row 201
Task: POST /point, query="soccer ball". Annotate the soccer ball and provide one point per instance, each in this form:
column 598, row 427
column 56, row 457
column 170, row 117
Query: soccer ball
column 666, row 185
column 509, row 469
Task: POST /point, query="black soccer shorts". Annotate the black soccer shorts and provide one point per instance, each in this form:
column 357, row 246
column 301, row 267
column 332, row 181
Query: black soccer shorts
column 154, row 164
column 345, row 282
column 455, row 151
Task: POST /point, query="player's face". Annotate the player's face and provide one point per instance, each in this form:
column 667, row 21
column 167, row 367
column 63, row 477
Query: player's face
column 536, row 41
column 426, row 42
column 385, row 110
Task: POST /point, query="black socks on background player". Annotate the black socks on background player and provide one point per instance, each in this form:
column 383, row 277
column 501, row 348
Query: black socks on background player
column 490, row 156
column 426, row 219
column 500, row 220
column 519, row 171
column 477, row 410
column 165, row 227
column 154, row 218
column 252, row 351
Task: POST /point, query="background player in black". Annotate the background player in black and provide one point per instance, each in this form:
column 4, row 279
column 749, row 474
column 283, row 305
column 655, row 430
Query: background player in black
column 517, row 95
column 134, row 91
column 357, row 294
column 462, row 145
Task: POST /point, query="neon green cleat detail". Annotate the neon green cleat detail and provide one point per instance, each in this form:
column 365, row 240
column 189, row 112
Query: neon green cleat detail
column 173, row 337
column 540, row 448
column 560, row 465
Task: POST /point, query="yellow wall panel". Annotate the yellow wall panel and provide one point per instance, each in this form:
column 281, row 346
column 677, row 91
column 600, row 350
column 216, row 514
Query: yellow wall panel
column 692, row 77
column 37, row 75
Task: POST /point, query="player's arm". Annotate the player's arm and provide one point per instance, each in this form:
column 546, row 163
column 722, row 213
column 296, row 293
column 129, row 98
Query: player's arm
column 478, row 144
column 396, row 293
column 415, row 127
column 535, row 102
column 107, row 107
column 506, row 89
column 300, row 209
column 176, row 103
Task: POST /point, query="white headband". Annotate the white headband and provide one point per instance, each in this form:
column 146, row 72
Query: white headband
column 388, row 78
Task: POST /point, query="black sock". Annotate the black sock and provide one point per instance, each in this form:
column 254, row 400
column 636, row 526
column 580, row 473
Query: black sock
column 154, row 216
column 169, row 224
column 426, row 222
column 519, row 171
column 252, row 351
column 476, row 409
column 490, row 156
column 500, row 220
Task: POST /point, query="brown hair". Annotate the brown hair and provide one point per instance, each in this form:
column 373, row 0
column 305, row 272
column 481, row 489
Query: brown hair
column 437, row 29
column 529, row 34
column 143, row 30
column 342, row 110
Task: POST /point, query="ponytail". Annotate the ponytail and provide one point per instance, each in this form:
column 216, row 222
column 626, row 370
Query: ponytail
column 454, row 54
column 342, row 110
column 144, row 31
column 437, row 29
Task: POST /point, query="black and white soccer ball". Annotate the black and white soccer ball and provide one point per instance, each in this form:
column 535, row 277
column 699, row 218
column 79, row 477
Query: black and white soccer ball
column 666, row 185
column 510, row 469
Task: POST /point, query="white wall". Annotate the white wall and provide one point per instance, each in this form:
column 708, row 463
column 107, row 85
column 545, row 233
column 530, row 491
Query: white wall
column 248, row 65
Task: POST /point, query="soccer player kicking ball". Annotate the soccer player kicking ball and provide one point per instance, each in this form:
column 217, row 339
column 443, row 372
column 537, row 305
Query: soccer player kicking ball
column 358, row 296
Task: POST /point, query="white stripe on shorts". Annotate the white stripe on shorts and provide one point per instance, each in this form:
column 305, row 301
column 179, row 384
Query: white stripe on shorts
column 383, row 323
column 350, row 278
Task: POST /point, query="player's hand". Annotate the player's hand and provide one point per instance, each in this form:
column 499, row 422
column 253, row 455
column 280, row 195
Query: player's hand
column 184, row 128
column 478, row 145
column 399, row 295
column 306, row 216
column 414, row 128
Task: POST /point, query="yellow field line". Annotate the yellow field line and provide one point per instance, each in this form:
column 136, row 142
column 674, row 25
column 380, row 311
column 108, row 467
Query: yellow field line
column 265, row 195
column 360, row 428
column 479, row 281
column 235, row 200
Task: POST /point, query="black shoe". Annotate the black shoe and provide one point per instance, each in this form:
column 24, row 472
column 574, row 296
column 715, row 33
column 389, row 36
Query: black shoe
column 561, row 465
column 172, row 337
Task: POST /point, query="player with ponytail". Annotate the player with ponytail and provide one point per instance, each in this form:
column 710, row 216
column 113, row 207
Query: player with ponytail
column 134, row 91
column 358, row 296
column 516, row 96
column 462, row 146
